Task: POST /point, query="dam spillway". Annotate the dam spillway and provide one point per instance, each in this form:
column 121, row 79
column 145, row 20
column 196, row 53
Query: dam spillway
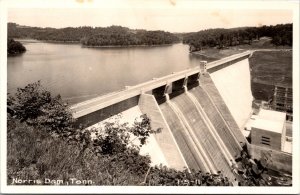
column 197, row 112
column 183, row 139
column 210, row 149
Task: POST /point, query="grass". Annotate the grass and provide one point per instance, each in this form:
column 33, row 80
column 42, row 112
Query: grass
column 269, row 68
column 212, row 54
column 261, row 91
column 36, row 155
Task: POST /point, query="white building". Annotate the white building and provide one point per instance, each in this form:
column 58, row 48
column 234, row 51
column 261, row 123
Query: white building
column 269, row 130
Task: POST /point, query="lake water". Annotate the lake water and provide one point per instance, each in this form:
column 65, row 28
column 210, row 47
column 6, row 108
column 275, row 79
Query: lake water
column 78, row 73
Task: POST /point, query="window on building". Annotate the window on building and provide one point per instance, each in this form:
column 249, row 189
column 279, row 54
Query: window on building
column 265, row 140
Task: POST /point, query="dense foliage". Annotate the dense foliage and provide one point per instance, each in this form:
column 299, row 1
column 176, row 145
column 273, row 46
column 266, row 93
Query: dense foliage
column 123, row 37
column 35, row 106
column 14, row 47
column 281, row 35
column 89, row 36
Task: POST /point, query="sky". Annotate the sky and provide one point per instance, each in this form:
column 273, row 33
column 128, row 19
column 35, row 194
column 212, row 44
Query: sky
column 172, row 15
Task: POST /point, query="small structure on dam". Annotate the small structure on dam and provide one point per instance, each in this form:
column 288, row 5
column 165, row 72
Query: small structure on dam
column 201, row 112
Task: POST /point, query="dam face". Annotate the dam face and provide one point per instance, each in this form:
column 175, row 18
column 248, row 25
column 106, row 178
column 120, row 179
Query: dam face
column 200, row 113
column 234, row 85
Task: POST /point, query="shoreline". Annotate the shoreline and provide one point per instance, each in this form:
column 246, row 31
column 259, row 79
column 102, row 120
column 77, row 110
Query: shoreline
column 89, row 46
column 201, row 54
column 124, row 46
column 62, row 42
column 45, row 41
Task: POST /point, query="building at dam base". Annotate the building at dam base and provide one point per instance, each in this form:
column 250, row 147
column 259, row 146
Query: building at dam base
column 201, row 112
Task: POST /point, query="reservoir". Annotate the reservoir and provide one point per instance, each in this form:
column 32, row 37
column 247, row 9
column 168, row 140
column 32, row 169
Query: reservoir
column 78, row 73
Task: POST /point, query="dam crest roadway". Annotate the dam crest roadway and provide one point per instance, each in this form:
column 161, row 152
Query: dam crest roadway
column 92, row 105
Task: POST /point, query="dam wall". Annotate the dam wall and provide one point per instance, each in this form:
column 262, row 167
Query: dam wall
column 106, row 112
column 234, row 85
column 215, row 66
column 215, row 97
column 199, row 129
column 219, row 123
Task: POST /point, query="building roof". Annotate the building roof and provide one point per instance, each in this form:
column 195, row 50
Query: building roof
column 268, row 125
column 270, row 120
column 272, row 115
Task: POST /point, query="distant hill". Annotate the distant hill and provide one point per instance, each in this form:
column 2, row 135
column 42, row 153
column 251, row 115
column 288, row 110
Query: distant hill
column 90, row 36
column 280, row 35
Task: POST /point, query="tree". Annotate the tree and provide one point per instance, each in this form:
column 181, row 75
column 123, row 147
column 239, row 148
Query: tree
column 35, row 106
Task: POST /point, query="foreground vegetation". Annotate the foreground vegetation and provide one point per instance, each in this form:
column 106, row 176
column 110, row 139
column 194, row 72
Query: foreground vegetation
column 92, row 37
column 14, row 47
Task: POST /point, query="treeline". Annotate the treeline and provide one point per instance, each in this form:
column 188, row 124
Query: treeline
column 281, row 34
column 129, row 38
column 89, row 36
column 14, row 47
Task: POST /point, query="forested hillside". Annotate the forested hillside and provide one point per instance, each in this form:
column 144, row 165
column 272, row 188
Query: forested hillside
column 89, row 36
column 281, row 34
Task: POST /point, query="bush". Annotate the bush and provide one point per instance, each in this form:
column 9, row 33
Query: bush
column 35, row 106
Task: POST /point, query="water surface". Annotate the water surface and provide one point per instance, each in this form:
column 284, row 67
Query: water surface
column 78, row 73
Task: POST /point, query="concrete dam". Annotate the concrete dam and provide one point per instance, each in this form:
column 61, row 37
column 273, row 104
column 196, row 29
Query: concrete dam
column 201, row 112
